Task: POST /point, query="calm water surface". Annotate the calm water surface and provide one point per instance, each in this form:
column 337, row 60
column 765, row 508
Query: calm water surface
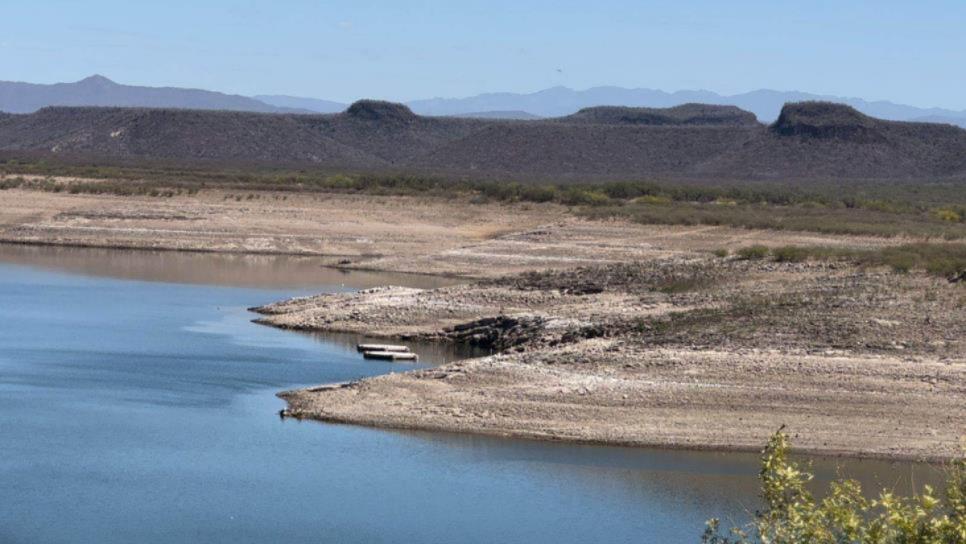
column 137, row 405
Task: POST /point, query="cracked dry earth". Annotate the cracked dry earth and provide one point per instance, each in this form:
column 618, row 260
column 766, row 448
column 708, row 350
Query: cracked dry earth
column 688, row 351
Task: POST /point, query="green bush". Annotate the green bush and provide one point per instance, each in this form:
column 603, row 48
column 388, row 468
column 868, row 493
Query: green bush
column 949, row 215
column 576, row 196
column 653, row 200
column 538, row 193
column 792, row 516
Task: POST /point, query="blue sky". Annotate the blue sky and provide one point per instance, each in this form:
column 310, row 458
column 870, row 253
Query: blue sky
column 910, row 52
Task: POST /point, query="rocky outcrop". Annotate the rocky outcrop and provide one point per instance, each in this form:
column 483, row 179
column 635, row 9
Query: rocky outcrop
column 685, row 114
column 826, row 121
column 379, row 110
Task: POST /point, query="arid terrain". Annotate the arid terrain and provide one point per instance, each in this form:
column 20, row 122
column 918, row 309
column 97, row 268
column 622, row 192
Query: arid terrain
column 683, row 351
column 391, row 233
column 604, row 331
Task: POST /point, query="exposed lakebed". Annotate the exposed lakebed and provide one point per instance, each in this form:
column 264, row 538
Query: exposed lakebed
column 137, row 403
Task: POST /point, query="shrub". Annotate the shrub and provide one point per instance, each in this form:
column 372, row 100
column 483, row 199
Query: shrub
column 790, row 254
column 946, row 214
column 538, row 193
column 654, row 200
column 753, row 253
column 575, row 196
column 720, row 252
column 340, row 181
column 792, row 516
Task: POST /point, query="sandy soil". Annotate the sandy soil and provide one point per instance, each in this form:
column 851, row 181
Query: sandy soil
column 397, row 234
column 631, row 395
column 339, row 227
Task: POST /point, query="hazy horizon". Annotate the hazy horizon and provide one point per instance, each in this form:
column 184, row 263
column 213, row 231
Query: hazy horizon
column 346, row 50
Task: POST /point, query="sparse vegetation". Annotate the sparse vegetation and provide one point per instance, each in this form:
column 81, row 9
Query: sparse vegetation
column 791, row 514
column 882, row 209
column 940, row 259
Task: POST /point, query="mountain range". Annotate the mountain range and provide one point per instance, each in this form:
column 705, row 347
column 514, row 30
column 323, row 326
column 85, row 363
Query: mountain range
column 96, row 90
column 765, row 104
column 809, row 141
column 17, row 97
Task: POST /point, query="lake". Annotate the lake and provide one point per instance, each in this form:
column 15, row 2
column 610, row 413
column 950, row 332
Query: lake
column 137, row 404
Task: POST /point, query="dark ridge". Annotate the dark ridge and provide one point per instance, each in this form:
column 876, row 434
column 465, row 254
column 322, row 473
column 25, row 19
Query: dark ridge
column 685, row 114
column 179, row 134
column 827, row 120
column 818, row 142
column 380, row 110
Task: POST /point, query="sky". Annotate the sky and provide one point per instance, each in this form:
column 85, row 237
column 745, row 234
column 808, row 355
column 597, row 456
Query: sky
column 907, row 52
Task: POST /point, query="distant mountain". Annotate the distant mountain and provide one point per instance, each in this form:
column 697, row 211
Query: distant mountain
column 809, row 141
column 765, row 104
column 948, row 119
column 315, row 105
column 525, row 115
column 16, row 97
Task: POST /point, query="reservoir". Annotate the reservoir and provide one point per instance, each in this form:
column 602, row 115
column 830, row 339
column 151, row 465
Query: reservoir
column 137, row 404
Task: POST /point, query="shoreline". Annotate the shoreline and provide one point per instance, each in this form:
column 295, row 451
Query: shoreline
column 820, row 453
column 550, row 382
column 607, row 332
column 380, row 418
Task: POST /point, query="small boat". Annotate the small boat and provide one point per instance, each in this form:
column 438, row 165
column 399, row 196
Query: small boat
column 391, row 355
column 381, row 347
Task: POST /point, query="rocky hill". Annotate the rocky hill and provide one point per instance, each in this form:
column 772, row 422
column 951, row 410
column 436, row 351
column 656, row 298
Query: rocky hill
column 810, row 140
column 685, row 114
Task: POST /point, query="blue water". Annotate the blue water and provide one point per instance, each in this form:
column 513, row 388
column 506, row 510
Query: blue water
column 136, row 411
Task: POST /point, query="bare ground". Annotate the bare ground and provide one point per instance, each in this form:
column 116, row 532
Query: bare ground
column 855, row 362
column 397, row 234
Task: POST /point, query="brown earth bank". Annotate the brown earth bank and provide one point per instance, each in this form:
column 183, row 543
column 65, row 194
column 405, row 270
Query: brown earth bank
column 683, row 351
column 443, row 236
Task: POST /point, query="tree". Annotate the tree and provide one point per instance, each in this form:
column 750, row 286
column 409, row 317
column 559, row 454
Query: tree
column 792, row 516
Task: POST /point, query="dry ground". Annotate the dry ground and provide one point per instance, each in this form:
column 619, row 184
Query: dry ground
column 857, row 362
column 399, row 234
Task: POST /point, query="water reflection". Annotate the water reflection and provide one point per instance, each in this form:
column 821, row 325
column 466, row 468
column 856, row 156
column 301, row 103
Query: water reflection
column 430, row 353
column 267, row 271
